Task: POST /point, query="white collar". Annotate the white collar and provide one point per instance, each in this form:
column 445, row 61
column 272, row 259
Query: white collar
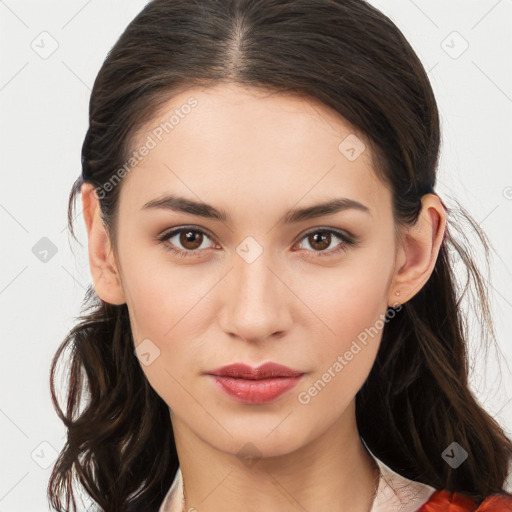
column 395, row 492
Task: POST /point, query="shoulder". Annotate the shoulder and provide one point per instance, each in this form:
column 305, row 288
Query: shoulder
column 447, row 501
column 496, row 503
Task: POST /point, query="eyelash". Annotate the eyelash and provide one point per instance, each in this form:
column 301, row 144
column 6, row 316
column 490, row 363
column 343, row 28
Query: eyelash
column 346, row 241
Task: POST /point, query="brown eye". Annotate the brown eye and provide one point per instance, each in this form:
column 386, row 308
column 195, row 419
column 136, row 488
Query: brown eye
column 191, row 240
column 320, row 240
column 186, row 241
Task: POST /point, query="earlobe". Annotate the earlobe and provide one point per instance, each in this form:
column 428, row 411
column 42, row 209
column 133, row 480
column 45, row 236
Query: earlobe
column 419, row 251
column 104, row 272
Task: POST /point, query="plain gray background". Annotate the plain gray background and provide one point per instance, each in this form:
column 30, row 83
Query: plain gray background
column 465, row 46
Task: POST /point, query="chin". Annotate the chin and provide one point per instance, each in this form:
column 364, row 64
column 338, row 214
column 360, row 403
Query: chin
column 253, row 443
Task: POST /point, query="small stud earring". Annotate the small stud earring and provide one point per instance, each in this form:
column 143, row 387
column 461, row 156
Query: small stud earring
column 397, row 292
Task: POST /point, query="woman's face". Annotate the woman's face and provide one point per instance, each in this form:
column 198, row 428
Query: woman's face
column 262, row 276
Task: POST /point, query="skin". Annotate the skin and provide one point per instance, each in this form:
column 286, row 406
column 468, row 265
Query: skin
column 256, row 156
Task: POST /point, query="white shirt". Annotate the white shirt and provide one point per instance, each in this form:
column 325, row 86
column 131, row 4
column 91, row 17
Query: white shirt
column 395, row 493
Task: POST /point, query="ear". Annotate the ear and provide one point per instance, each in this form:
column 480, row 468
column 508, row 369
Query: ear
column 418, row 250
column 107, row 284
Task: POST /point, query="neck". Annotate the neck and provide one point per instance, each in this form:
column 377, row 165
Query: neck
column 335, row 473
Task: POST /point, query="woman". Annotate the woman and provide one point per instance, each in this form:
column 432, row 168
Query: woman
column 274, row 322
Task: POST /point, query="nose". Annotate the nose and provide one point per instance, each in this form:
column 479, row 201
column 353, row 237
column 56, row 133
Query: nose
column 257, row 300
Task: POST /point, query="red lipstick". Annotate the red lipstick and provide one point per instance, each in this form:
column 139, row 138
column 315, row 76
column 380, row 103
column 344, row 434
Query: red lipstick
column 255, row 385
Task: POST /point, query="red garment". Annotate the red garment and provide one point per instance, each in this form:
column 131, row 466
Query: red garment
column 446, row 501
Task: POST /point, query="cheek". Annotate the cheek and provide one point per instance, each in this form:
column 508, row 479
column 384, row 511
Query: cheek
column 163, row 298
column 352, row 307
column 344, row 360
column 167, row 315
column 352, row 297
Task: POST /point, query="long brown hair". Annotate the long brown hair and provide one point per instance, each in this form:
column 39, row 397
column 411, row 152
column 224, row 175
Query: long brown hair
column 345, row 53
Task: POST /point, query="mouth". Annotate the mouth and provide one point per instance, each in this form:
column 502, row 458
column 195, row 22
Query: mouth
column 255, row 385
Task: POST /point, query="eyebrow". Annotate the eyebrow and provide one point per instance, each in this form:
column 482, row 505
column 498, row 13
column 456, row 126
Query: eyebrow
column 184, row 205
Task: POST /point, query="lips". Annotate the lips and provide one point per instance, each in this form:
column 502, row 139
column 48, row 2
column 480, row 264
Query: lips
column 255, row 386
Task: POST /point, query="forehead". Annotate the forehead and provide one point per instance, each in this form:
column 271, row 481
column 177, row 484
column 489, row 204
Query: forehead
column 233, row 142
